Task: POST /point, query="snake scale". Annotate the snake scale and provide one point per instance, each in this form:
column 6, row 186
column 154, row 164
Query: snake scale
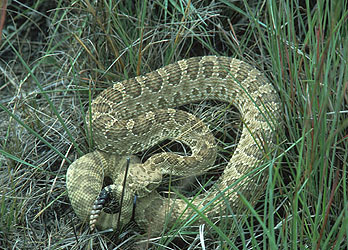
column 135, row 114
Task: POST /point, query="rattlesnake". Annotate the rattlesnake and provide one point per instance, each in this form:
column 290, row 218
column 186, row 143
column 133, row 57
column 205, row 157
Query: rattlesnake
column 135, row 114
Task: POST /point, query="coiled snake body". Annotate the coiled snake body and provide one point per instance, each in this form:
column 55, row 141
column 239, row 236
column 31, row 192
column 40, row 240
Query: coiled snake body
column 135, row 114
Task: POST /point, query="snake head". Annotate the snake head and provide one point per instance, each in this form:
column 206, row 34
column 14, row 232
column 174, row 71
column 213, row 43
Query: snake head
column 141, row 181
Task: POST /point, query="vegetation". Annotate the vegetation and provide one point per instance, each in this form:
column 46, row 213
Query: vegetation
column 55, row 56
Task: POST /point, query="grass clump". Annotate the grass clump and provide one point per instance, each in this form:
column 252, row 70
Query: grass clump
column 56, row 57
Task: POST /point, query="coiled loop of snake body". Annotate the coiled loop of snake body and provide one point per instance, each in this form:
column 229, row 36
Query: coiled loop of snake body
column 135, row 114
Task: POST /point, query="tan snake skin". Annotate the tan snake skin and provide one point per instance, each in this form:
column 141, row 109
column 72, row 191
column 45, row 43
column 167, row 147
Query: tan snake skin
column 136, row 114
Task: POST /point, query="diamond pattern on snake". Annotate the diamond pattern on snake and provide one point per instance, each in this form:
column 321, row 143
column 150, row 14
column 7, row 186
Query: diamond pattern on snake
column 135, row 114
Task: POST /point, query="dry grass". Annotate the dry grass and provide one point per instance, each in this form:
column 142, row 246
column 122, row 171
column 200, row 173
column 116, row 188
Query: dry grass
column 56, row 56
